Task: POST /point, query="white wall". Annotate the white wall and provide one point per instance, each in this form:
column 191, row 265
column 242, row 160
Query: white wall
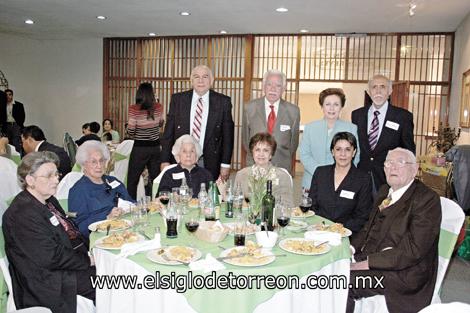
column 59, row 81
column 461, row 64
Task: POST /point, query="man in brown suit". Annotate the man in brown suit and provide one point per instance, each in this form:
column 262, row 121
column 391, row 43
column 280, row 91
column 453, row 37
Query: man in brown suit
column 398, row 246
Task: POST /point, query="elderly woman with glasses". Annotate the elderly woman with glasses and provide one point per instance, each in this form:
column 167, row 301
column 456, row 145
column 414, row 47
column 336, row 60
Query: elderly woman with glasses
column 94, row 197
column 186, row 151
column 49, row 261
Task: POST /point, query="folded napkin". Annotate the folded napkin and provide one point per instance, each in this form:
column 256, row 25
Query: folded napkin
column 132, row 248
column 125, row 205
column 206, row 265
column 334, row 239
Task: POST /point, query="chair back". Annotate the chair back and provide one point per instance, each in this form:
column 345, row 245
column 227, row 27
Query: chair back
column 70, row 147
column 120, row 157
column 62, row 193
column 9, row 186
column 158, row 179
column 6, row 295
column 15, row 156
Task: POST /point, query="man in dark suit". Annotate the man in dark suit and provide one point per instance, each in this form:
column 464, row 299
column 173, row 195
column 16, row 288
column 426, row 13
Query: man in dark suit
column 381, row 127
column 207, row 116
column 12, row 118
column 33, row 139
column 399, row 243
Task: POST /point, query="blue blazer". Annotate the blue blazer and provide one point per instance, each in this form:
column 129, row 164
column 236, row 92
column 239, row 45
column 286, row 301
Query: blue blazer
column 315, row 146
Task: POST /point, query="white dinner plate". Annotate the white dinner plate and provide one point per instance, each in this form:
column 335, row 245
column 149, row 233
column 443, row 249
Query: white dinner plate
column 99, row 243
column 284, row 245
column 156, row 256
column 347, row 232
column 94, row 226
column 297, row 226
column 297, row 213
column 266, row 258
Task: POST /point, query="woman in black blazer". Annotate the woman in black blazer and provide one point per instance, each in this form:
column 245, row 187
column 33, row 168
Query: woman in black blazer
column 340, row 192
column 49, row 262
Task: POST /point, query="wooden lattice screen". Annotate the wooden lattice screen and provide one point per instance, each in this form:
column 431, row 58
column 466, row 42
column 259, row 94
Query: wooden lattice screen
column 239, row 61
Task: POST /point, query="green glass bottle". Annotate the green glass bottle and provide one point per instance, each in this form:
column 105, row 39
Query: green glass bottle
column 214, row 196
column 268, row 203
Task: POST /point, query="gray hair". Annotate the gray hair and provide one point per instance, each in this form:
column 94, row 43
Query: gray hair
column 390, row 83
column 205, row 67
column 275, row 73
column 83, row 152
column 32, row 161
column 182, row 140
column 410, row 155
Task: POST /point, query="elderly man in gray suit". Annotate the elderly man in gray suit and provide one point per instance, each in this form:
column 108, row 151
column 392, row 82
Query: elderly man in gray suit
column 273, row 115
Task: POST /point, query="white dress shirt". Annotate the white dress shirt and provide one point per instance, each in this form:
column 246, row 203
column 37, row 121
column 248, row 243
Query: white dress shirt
column 267, row 108
column 37, row 147
column 205, row 114
column 397, row 194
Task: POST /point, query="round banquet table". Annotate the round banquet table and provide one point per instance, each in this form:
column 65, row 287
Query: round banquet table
column 115, row 300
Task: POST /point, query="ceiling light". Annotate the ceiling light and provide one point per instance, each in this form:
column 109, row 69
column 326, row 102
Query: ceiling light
column 282, row 10
column 412, row 8
column 185, row 13
column 152, row 34
column 223, row 31
column 101, row 17
column 304, row 30
column 28, row 21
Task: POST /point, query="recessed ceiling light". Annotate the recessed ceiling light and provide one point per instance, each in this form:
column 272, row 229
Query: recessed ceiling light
column 304, row 30
column 101, row 17
column 152, row 34
column 185, row 13
column 223, row 31
column 28, row 21
column 282, row 10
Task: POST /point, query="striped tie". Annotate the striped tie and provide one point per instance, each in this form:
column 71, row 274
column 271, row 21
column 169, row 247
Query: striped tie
column 198, row 120
column 374, row 131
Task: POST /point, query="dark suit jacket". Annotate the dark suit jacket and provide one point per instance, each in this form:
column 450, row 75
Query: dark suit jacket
column 3, row 108
column 194, row 179
column 340, row 206
column 17, row 112
column 373, row 161
column 43, row 264
column 64, row 160
column 402, row 243
column 218, row 140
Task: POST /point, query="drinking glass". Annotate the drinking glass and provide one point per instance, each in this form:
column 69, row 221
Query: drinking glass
column 191, row 221
column 283, row 217
column 136, row 215
column 144, row 205
column 305, row 204
column 164, row 197
column 239, row 233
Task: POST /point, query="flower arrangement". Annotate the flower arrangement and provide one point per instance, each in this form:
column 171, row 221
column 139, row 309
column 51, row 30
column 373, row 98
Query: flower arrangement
column 257, row 185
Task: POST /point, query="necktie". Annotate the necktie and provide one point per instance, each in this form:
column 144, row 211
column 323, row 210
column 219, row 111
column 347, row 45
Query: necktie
column 271, row 120
column 385, row 203
column 197, row 124
column 374, row 131
column 69, row 228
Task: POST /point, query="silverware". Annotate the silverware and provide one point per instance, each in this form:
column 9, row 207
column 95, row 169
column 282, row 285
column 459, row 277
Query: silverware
column 221, row 258
column 166, row 258
column 108, row 228
column 320, row 244
column 145, row 235
column 267, row 256
column 221, row 248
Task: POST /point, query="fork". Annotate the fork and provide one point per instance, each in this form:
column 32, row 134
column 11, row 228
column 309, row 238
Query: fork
column 166, row 258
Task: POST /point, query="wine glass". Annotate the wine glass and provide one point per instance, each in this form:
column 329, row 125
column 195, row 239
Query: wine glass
column 192, row 224
column 164, row 197
column 283, row 217
column 305, row 204
column 145, row 207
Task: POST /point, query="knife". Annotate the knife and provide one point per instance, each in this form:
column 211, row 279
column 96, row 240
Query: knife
column 221, row 258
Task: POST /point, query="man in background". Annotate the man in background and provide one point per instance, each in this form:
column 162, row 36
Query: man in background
column 12, row 118
column 90, row 132
column 273, row 115
column 33, row 139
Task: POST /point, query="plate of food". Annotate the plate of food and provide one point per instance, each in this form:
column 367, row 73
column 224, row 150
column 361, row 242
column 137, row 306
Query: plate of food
column 174, row 255
column 116, row 240
column 303, row 246
column 250, row 228
column 334, row 228
column 116, row 225
column 297, row 225
column 297, row 213
column 250, row 255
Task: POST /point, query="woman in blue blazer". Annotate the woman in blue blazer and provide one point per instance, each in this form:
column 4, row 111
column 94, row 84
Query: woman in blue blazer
column 315, row 145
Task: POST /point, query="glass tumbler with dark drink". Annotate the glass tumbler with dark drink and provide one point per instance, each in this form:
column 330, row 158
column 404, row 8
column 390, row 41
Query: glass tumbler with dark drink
column 305, row 204
column 171, row 227
column 239, row 234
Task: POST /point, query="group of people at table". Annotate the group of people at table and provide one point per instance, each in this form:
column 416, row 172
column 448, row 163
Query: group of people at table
column 360, row 174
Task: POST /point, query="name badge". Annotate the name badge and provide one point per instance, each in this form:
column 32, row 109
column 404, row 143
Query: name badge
column 114, row 184
column 54, row 221
column 284, row 128
column 346, row 194
column 392, row 125
column 179, row 175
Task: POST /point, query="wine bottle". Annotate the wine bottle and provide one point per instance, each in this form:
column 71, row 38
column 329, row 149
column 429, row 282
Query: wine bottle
column 267, row 205
column 214, row 196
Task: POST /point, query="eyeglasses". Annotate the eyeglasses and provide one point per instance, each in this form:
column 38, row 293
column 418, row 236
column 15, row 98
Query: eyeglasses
column 398, row 163
column 50, row 176
column 95, row 163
